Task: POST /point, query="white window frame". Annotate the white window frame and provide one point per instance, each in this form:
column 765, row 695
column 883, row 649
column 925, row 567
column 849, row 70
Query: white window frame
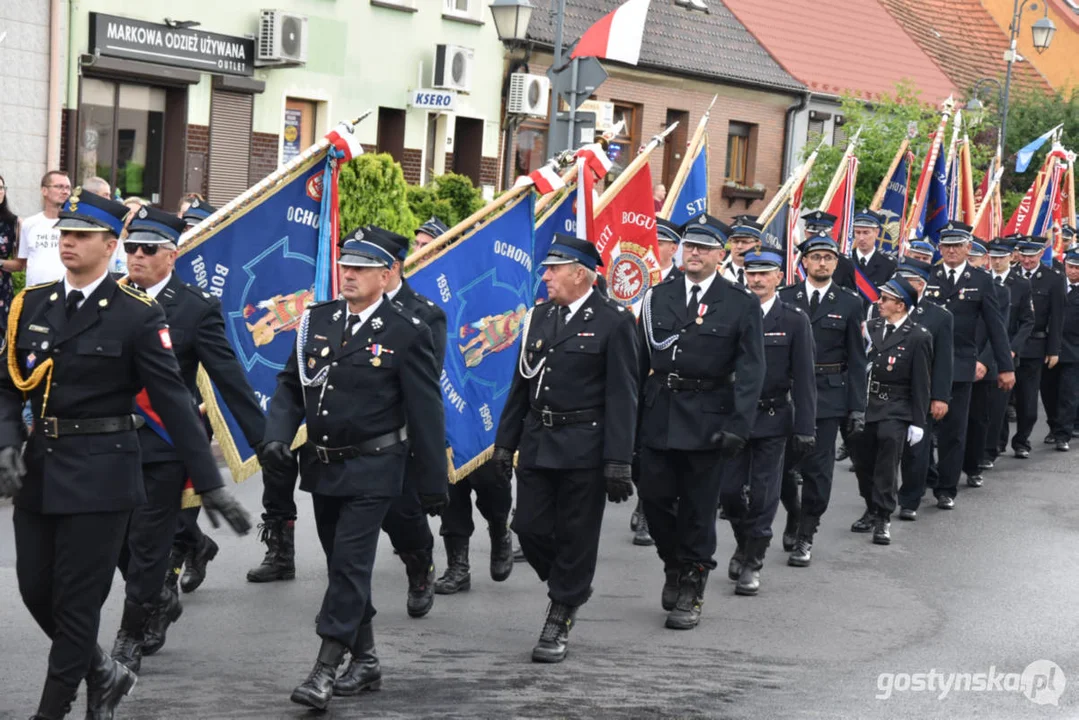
column 449, row 7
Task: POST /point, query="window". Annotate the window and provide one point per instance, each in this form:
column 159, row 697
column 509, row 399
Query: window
column 121, row 136
column 391, row 132
column 230, row 145
column 738, row 152
column 623, row 147
column 815, row 132
column 531, row 148
column 468, row 10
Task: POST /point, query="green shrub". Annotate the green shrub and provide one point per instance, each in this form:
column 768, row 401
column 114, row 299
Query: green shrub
column 372, row 191
column 450, row 198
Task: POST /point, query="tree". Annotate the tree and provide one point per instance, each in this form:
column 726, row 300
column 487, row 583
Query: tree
column 450, row 197
column 372, row 191
column 884, row 125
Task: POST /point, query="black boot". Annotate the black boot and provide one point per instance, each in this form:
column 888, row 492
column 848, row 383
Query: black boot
column 803, row 547
column 790, row 531
column 501, row 550
column 734, row 568
column 642, row 537
column 864, row 524
column 669, row 596
column 882, row 531
column 457, row 577
column 127, row 650
column 687, row 608
column 749, row 582
column 176, row 567
column 363, row 672
column 554, row 638
column 635, row 518
column 317, row 690
column 56, row 699
column 280, row 560
column 195, row 565
column 106, row 685
column 420, row 568
column 167, row 611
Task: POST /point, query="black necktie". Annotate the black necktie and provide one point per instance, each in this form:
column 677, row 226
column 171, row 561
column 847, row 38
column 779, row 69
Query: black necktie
column 951, row 276
column 350, row 327
column 1072, row 286
column 888, row 330
column 72, row 303
column 814, row 301
column 741, row 276
column 694, row 297
column 563, row 317
column 863, row 261
column 1000, row 279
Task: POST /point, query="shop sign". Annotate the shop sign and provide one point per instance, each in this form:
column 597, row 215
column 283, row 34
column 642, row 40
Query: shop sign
column 188, row 48
column 437, row 100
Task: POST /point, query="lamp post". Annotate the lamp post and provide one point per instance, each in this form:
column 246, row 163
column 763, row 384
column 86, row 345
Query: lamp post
column 1042, row 31
column 975, row 105
column 511, row 19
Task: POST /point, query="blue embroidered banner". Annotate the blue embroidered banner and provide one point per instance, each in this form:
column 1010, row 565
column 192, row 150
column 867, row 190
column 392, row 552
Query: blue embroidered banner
column 485, row 283
column 560, row 218
column 693, row 195
column 261, row 265
column 894, row 205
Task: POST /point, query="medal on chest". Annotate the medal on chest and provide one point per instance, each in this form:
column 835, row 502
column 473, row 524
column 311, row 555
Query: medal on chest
column 701, row 310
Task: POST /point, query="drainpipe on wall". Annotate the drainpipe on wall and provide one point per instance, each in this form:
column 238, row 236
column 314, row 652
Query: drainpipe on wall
column 56, row 86
column 788, row 133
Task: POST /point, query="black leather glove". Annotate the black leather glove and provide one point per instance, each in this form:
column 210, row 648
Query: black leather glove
column 802, row 445
column 12, row 470
column 274, row 454
column 855, row 422
column 434, row 504
column 503, row 461
column 220, row 504
column 728, row 443
column 619, row 477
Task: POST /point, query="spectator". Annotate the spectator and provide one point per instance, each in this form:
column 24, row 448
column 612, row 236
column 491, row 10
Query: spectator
column 9, row 233
column 97, row 186
column 39, row 240
column 186, row 200
column 118, row 264
column 659, row 195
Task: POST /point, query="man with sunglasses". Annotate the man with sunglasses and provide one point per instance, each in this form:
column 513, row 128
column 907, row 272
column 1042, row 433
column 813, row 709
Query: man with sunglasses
column 197, row 331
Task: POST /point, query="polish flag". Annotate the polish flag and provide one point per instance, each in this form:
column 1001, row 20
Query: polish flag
column 617, row 36
column 546, row 180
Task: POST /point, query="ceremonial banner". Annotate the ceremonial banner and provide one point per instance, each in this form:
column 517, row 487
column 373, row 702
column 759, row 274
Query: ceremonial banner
column 485, row 284
column 894, row 205
column 626, row 240
column 842, row 206
column 693, row 195
column 260, row 263
column 1020, row 219
column 935, row 210
column 560, row 218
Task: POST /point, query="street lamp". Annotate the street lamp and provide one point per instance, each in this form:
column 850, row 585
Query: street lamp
column 975, row 104
column 511, row 23
column 511, row 19
column 1042, row 34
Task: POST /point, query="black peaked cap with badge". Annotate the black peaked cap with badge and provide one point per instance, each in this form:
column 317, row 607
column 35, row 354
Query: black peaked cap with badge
column 566, row 249
column 155, row 227
column 703, row 229
column 86, row 212
column 198, row 211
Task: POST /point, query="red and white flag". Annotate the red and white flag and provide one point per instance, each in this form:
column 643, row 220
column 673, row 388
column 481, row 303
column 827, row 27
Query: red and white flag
column 545, row 179
column 617, row 36
column 625, row 236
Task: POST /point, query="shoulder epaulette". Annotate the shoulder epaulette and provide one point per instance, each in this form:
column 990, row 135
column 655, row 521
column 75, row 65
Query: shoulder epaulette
column 403, row 312
column 137, row 294
column 850, row 291
column 42, row 285
column 198, row 292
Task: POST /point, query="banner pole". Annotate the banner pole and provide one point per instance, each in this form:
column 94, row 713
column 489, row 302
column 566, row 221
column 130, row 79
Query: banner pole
column 687, row 162
column 630, row 171
column 258, row 190
column 882, row 189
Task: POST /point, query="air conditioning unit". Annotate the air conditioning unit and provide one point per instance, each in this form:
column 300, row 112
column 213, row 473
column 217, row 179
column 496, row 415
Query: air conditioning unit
column 453, row 67
column 529, row 94
column 282, row 39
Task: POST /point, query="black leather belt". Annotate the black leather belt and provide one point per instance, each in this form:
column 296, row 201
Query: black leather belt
column 375, row 445
column 830, row 368
column 889, row 390
column 1039, row 335
column 52, row 427
column 675, row 382
column 551, row 418
column 774, row 403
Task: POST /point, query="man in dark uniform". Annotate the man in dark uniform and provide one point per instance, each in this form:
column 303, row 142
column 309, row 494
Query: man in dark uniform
column 985, row 377
column 1042, row 348
column 81, row 348
column 915, row 465
column 1066, row 384
column 835, row 315
column 750, row 481
column 406, row 522
column 873, row 264
column 1050, row 381
column 429, row 232
column 899, row 379
column 817, row 221
column 365, row 379
column 197, row 329
column 968, row 294
column 702, row 369
column 569, row 414
column 744, row 237
column 1020, row 325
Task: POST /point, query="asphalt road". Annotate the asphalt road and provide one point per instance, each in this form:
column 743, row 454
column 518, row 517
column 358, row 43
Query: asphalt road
column 988, row 588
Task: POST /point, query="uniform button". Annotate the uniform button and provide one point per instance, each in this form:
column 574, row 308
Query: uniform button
column 329, row 387
column 325, row 438
column 334, row 364
column 545, row 388
column 48, row 450
column 98, row 348
column 325, row 412
column 118, row 446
